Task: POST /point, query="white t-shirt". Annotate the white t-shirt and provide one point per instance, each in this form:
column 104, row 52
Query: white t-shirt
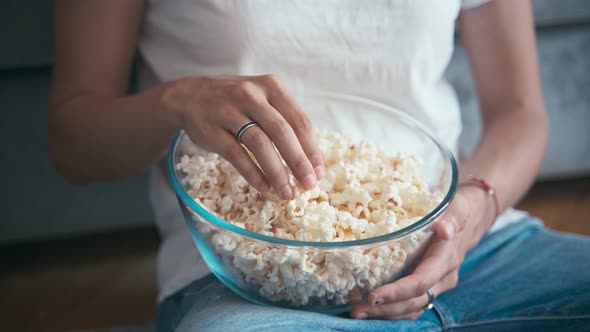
column 392, row 51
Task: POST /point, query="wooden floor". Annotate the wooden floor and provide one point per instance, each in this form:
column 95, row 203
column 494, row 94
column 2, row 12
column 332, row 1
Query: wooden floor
column 106, row 280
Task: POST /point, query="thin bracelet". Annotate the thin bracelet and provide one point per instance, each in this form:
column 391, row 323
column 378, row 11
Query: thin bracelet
column 483, row 184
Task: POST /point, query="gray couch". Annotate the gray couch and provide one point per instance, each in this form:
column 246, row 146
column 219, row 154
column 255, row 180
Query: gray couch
column 37, row 204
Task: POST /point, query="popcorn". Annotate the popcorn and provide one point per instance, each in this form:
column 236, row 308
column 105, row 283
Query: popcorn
column 365, row 193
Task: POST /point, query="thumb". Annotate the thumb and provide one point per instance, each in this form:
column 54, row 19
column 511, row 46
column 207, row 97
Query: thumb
column 453, row 220
column 447, row 227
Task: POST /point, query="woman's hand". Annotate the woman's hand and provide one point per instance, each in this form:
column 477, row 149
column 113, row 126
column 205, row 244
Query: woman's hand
column 212, row 108
column 457, row 231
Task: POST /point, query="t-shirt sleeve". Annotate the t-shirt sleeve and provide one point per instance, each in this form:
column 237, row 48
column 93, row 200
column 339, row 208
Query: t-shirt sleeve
column 468, row 4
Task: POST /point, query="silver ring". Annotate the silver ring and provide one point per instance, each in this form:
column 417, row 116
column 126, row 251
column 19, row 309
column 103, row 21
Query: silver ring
column 429, row 305
column 243, row 128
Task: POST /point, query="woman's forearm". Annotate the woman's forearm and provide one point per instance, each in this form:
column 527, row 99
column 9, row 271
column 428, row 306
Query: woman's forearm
column 508, row 156
column 94, row 138
column 499, row 39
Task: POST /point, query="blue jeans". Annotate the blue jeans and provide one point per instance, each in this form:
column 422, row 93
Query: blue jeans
column 522, row 277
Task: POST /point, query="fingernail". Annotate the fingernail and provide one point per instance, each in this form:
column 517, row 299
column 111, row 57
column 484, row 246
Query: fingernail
column 308, row 181
column 286, row 192
column 319, row 172
column 362, row 315
column 450, row 228
column 374, row 300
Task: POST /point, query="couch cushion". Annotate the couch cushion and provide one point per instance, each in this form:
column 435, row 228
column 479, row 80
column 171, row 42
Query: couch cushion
column 25, row 33
column 565, row 73
column 561, row 12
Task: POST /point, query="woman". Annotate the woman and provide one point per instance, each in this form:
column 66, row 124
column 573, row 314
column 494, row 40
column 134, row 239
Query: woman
column 204, row 69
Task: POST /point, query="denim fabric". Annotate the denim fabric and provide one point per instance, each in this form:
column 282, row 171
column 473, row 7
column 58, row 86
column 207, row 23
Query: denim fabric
column 520, row 278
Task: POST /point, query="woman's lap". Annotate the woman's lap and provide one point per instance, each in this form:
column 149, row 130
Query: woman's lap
column 523, row 274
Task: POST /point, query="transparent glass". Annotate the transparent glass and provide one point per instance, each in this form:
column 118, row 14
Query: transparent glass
column 274, row 271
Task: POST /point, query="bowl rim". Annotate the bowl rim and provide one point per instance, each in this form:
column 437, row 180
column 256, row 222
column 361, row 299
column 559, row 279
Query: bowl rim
column 183, row 196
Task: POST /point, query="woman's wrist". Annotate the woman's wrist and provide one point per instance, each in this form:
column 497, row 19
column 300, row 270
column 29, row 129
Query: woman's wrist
column 171, row 101
column 489, row 190
column 481, row 210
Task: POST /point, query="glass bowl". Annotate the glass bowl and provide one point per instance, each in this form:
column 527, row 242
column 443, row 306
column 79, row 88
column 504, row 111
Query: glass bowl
column 280, row 272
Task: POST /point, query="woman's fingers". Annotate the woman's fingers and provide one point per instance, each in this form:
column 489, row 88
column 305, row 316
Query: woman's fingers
column 437, row 272
column 207, row 104
column 284, row 102
column 390, row 310
column 406, row 309
column 256, row 106
column 256, row 140
column 454, row 219
column 449, row 282
column 229, row 148
column 405, row 289
column 261, row 146
column 411, row 286
column 440, row 258
column 282, row 135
